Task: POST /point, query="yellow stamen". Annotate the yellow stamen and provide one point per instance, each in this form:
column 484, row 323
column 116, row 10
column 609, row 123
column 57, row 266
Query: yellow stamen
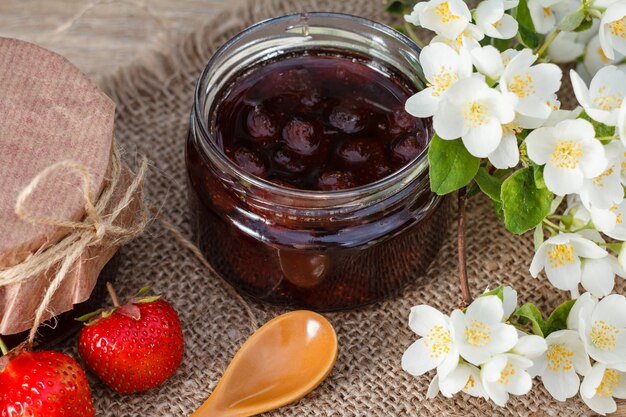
column 478, row 334
column 441, row 81
column 603, row 56
column 547, row 11
column 607, row 101
column 566, row 154
column 599, row 180
column 559, row 357
column 603, row 335
column 470, row 383
column 439, row 340
column 560, row 255
column 522, row 85
column 475, row 114
column 443, row 10
column 507, row 373
column 611, row 380
column 618, row 28
column 618, row 216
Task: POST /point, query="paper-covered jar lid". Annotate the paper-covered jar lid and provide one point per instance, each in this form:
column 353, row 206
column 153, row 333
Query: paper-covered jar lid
column 49, row 112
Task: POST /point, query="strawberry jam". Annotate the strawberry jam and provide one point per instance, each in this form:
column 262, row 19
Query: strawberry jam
column 320, row 122
column 308, row 180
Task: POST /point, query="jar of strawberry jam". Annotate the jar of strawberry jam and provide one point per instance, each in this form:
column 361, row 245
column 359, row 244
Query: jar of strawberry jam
column 308, row 180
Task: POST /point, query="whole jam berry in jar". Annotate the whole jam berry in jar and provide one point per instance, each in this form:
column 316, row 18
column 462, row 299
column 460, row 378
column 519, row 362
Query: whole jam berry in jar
column 319, row 122
column 308, row 180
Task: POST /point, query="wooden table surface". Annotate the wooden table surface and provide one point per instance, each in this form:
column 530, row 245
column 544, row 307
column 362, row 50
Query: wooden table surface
column 100, row 35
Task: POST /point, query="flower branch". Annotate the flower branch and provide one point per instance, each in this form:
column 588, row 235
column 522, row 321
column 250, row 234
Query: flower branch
column 492, row 81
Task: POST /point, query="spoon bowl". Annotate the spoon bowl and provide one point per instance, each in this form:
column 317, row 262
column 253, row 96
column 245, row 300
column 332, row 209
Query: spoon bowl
column 280, row 363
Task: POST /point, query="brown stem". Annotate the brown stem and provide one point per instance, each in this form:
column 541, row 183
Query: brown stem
column 111, row 290
column 465, row 290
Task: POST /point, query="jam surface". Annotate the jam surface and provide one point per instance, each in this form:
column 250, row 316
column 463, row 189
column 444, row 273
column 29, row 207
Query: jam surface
column 318, row 122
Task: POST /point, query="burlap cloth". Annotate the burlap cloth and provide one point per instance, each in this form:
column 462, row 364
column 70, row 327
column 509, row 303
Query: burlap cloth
column 154, row 98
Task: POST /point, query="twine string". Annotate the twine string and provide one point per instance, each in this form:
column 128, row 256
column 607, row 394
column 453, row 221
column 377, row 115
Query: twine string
column 98, row 227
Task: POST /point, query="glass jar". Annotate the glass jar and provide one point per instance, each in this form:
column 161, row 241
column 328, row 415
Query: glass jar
column 312, row 249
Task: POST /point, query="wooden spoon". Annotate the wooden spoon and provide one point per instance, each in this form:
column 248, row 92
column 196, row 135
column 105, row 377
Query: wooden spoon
column 280, row 363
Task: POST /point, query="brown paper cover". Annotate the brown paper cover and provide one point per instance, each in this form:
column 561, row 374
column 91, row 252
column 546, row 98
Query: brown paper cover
column 49, row 112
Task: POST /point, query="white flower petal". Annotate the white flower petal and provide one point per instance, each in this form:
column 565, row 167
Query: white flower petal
column 492, row 370
column 520, row 383
column 448, row 121
column 455, row 381
column 506, row 154
column 417, row 360
column 580, row 89
column 482, row 140
column 562, row 384
column 503, row 338
column 583, row 306
column 509, row 301
column 540, row 144
column 487, row 309
column 449, row 364
column 565, row 277
column 539, row 260
column 562, row 181
column 592, row 380
column 530, row 346
column 598, row 277
column 423, row 317
column 433, row 387
column 488, row 61
column 423, row 103
column 586, row 248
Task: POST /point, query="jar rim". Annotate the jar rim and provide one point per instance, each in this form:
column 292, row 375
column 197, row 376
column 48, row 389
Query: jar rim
column 417, row 165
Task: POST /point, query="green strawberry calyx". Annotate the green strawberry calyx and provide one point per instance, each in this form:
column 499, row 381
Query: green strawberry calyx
column 129, row 309
column 4, row 359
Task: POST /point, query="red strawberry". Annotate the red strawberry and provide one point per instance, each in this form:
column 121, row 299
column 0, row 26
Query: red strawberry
column 43, row 384
column 135, row 347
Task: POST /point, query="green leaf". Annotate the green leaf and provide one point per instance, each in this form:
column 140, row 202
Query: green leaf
column 558, row 319
column 530, row 313
column 523, row 204
column 586, row 24
column 497, row 208
column 572, row 21
column 451, row 165
column 527, row 33
column 501, row 44
column 395, row 7
column 144, row 290
column 499, row 292
column 522, row 15
column 89, row 316
column 488, row 184
column 529, row 37
column 147, row 300
column 601, row 129
column 540, row 183
column 538, row 237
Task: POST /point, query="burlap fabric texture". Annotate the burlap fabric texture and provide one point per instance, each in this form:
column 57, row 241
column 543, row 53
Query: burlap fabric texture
column 154, row 98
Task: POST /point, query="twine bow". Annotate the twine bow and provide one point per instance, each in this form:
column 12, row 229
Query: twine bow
column 97, row 228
